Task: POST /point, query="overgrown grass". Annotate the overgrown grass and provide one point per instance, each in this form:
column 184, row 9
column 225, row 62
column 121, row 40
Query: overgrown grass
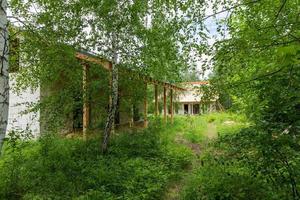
column 139, row 165
column 227, row 123
column 221, row 175
column 244, row 162
column 191, row 128
column 194, row 128
column 233, row 167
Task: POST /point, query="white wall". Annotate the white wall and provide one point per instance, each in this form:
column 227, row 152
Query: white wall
column 16, row 120
column 190, row 95
column 181, row 109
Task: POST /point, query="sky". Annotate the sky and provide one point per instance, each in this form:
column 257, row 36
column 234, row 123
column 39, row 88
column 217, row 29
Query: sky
column 211, row 24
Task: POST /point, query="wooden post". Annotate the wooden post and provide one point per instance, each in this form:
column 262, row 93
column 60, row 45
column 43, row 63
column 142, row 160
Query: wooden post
column 86, row 107
column 165, row 104
column 171, row 106
column 156, row 100
column 145, row 108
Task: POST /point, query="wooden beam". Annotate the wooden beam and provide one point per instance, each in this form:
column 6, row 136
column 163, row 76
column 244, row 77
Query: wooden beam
column 104, row 63
column 156, row 100
column 86, row 107
column 171, row 106
column 145, row 108
column 165, row 105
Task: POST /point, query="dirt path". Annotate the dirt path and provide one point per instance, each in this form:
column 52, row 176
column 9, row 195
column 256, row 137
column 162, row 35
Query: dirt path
column 173, row 191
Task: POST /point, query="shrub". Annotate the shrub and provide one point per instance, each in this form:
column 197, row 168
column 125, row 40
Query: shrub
column 250, row 164
column 138, row 166
column 225, row 183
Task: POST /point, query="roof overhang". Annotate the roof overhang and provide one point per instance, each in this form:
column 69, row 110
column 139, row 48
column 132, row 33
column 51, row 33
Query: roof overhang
column 106, row 64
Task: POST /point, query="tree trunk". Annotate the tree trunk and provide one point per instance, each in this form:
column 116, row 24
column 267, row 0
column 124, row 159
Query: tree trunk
column 114, row 104
column 4, row 84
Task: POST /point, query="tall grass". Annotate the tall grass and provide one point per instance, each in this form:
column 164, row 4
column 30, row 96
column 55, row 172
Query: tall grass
column 221, row 175
column 139, row 165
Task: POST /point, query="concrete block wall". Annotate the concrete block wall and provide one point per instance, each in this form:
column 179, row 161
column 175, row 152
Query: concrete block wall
column 17, row 105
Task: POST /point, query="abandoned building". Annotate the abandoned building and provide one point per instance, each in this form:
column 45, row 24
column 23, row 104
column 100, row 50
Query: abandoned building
column 130, row 110
column 191, row 102
column 91, row 109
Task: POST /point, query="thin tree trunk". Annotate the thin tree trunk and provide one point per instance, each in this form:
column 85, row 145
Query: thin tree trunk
column 114, row 104
column 4, row 84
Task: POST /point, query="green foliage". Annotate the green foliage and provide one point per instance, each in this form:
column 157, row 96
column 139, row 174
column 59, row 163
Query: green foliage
column 257, row 65
column 221, row 174
column 194, row 128
column 216, row 180
column 131, row 31
column 227, row 123
column 222, row 117
column 138, row 166
column 245, row 162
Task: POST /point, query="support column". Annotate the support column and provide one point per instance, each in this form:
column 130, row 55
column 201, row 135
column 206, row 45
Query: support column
column 165, row 105
column 156, row 100
column 171, row 106
column 86, row 106
column 145, row 108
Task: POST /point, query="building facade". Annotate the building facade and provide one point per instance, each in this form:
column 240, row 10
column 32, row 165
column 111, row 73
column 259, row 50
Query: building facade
column 89, row 114
column 191, row 101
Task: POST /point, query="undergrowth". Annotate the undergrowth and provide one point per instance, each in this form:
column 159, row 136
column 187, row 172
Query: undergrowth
column 233, row 168
column 139, row 165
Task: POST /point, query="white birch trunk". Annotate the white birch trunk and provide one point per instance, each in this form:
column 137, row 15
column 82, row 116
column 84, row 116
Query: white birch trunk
column 4, row 84
column 114, row 102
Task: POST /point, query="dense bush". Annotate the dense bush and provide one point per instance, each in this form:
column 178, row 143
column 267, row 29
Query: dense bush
column 138, row 166
column 224, row 182
column 240, row 166
column 258, row 66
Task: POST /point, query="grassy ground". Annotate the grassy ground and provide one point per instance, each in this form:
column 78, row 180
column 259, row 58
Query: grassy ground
column 197, row 133
column 157, row 163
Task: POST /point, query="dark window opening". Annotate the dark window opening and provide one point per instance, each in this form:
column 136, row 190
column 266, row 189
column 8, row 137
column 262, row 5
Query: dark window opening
column 136, row 113
column 77, row 116
column 196, row 109
column 186, row 108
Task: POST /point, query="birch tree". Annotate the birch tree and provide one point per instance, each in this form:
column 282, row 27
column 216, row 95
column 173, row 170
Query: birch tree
column 153, row 38
column 4, row 81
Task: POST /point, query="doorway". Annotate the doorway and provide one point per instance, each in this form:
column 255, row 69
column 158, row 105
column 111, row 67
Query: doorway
column 186, row 109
